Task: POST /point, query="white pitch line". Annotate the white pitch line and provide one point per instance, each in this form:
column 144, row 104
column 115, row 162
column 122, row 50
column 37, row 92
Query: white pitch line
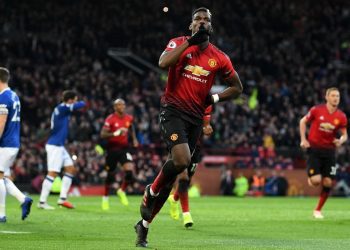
column 14, row 232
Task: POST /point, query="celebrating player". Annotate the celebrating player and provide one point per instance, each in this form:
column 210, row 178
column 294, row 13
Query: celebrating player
column 10, row 117
column 193, row 64
column 57, row 155
column 116, row 130
column 326, row 120
column 184, row 179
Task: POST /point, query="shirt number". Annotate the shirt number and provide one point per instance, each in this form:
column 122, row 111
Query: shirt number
column 17, row 108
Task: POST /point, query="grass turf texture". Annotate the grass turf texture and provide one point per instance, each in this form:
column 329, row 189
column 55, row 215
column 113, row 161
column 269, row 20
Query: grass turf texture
column 219, row 223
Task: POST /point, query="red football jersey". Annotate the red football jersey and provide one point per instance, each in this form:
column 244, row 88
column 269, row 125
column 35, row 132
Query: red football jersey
column 114, row 122
column 190, row 80
column 324, row 126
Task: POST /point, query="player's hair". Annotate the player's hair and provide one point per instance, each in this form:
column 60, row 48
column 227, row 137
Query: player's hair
column 4, row 75
column 201, row 9
column 118, row 101
column 68, row 94
column 329, row 90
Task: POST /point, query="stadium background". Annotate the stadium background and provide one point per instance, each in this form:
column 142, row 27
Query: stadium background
column 285, row 62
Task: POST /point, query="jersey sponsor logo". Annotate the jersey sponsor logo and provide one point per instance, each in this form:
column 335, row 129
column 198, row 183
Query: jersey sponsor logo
column 327, row 127
column 212, row 63
column 336, row 121
column 197, row 70
column 172, row 45
column 174, row 137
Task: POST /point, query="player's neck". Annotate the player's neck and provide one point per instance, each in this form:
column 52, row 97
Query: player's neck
column 3, row 86
column 331, row 108
column 119, row 114
column 204, row 45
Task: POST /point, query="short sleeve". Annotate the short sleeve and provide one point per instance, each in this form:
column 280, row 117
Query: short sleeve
column 173, row 43
column 344, row 122
column 227, row 70
column 311, row 114
column 107, row 123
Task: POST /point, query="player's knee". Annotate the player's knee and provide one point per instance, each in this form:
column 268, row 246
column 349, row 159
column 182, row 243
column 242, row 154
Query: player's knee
column 327, row 182
column 70, row 170
column 181, row 163
column 129, row 166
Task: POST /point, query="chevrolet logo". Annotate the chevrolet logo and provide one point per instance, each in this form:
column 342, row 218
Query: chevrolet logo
column 197, row 70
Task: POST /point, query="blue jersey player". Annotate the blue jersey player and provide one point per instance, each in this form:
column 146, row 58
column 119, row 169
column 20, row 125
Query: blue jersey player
column 10, row 108
column 57, row 155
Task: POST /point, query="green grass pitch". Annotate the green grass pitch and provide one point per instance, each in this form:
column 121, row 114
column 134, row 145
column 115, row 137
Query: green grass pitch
column 219, row 223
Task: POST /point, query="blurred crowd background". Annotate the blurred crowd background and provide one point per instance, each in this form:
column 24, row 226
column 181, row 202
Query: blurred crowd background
column 286, row 53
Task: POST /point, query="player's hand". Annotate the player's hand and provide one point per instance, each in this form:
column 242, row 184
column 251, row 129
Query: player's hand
column 120, row 132
column 207, row 130
column 199, row 37
column 304, row 144
column 337, row 142
column 135, row 143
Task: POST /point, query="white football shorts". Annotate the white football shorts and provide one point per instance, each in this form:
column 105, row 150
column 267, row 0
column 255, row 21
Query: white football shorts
column 7, row 158
column 57, row 157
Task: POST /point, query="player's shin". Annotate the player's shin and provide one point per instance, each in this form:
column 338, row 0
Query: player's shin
column 183, row 195
column 14, row 191
column 161, row 199
column 165, row 177
column 46, row 187
column 2, row 198
column 323, row 197
column 66, row 183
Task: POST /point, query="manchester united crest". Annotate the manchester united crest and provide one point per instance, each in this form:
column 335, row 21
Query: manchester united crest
column 212, row 63
column 336, row 121
column 174, row 137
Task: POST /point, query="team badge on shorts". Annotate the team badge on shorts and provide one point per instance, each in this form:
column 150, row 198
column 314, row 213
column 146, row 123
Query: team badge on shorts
column 174, row 137
column 311, row 171
column 212, row 63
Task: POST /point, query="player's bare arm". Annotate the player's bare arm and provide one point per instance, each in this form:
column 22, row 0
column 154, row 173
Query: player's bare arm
column 3, row 118
column 234, row 90
column 304, row 143
column 135, row 142
column 170, row 58
column 105, row 133
column 343, row 138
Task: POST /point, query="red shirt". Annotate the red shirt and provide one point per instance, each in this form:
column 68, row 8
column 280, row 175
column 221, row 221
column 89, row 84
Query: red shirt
column 190, row 80
column 114, row 122
column 324, row 126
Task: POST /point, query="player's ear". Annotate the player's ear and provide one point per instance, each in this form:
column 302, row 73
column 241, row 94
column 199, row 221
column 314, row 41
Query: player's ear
column 190, row 27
